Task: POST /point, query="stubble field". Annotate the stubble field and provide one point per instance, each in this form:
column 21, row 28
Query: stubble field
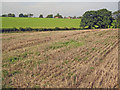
column 57, row 59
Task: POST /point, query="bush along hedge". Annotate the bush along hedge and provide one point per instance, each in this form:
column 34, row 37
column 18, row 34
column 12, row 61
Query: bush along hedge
column 28, row 29
column 8, row 30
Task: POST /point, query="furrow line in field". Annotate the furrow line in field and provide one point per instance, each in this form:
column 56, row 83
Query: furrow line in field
column 36, row 41
column 26, row 60
column 80, row 80
column 50, row 69
column 60, row 72
column 103, row 73
column 72, row 70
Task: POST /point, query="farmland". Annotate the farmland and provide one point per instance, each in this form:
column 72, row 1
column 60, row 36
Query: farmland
column 17, row 22
column 58, row 59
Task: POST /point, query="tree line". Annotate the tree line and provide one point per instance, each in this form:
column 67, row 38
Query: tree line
column 40, row 16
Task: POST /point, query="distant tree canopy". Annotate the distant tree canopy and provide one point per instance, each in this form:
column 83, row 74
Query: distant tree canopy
column 8, row 15
column 11, row 15
column 96, row 19
column 23, row 15
column 74, row 17
column 79, row 17
column 30, row 15
column 58, row 15
column 4, row 15
column 50, row 16
column 41, row 16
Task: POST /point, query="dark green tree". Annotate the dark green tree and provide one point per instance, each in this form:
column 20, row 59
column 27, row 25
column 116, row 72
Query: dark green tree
column 11, row 15
column 96, row 19
column 79, row 17
column 105, row 16
column 4, row 15
column 89, row 19
column 50, row 16
column 74, row 17
column 21, row 15
column 41, row 16
column 25, row 15
column 58, row 15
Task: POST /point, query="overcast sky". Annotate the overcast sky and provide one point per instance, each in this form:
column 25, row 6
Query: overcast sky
column 60, row 0
column 76, row 8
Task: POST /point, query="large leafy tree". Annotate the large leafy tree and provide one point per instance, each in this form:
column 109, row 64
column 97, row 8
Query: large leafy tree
column 96, row 19
column 106, row 18
column 89, row 19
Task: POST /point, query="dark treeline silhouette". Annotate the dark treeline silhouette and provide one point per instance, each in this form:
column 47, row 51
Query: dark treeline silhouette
column 7, row 30
column 25, row 15
column 40, row 16
column 8, row 15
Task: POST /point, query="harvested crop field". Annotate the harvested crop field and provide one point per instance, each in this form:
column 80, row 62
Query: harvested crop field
column 58, row 59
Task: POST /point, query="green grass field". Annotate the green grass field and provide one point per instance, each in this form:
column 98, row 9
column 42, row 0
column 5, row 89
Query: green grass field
column 12, row 22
